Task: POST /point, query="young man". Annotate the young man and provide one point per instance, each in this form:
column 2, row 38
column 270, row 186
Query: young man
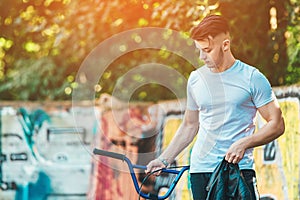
column 223, row 98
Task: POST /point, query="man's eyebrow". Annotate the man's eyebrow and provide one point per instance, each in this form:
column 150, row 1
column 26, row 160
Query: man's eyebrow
column 199, row 47
column 205, row 49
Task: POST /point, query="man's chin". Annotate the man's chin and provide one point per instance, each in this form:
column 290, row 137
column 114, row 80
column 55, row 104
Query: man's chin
column 210, row 65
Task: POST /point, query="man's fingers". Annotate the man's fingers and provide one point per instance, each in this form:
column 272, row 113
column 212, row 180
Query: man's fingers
column 157, row 171
column 232, row 158
column 149, row 168
column 154, row 166
column 227, row 157
column 235, row 160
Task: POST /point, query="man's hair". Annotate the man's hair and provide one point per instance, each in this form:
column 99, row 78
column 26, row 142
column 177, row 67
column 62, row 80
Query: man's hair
column 211, row 25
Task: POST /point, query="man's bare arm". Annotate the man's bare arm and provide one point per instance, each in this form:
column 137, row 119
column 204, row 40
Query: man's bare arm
column 273, row 128
column 183, row 137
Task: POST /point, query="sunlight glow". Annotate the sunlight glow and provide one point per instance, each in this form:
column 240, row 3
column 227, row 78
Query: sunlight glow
column 118, row 22
column 167, row 34
column 137, row 38
column 156, row 5
column 107, row 75
column 32, row 47
column 146, row 6
column 143, row 22
column 142, row 95
column 70, row 78
column 98, row 88
column 276, row 58
column 2, row 41
column 8, row 20
column 74, row 85
column 123, row 48
column 2, row 54
column 273, row 18
column 68, row 90
column 28, row 13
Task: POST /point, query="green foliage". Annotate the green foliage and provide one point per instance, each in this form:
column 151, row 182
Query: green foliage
column 29, row 67
column 293, row 42
column 43, row 43
column 150, row 81
column 254, row 41
column 33, row 80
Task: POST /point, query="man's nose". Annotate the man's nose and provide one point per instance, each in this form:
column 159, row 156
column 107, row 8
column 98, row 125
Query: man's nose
column 203, row 55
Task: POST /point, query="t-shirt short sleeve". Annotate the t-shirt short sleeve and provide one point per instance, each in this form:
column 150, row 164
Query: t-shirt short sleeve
column 191, row 103
column 261, row 89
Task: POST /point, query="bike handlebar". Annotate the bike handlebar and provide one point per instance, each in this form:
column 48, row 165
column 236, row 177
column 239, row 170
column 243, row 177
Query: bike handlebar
column 109, row 154
column 131, row 167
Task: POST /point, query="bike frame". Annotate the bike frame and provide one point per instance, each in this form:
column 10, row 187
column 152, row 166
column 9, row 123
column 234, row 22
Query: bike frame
column 131, row 167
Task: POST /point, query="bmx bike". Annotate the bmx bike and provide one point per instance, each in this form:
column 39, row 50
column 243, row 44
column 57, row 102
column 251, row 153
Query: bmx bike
column 131, row 167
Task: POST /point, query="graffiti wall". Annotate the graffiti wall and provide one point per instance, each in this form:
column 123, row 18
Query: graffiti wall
column 277, row 163
column 44, row 154
column 47, row 154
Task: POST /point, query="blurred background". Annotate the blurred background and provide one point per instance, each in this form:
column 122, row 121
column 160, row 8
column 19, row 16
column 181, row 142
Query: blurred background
column 44, row 42
column 45, row 154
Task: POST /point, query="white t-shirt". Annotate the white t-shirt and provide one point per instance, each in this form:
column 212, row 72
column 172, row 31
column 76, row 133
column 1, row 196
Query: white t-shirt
column 227, row 104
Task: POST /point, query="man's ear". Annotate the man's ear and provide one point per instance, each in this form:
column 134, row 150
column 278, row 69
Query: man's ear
column 226, row 45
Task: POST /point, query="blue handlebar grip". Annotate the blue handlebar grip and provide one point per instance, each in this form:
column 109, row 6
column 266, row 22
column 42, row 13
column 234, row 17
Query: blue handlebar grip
column 109, row 154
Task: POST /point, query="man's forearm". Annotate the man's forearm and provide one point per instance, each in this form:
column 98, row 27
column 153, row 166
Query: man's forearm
column 272, row 129
column 266, row 134
column 269, row 132
column 183, row 137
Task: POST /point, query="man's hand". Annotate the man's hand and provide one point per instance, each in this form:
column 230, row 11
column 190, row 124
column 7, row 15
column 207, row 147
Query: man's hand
column 236, row 152
column 154, row 165
column 270, row 131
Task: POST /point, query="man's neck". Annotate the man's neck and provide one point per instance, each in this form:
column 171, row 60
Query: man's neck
column 226, row 64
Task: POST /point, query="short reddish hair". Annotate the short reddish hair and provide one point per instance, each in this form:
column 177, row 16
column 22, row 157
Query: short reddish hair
column 211, row 25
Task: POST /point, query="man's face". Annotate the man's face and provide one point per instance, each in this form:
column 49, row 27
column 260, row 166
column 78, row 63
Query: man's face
column 211, row 51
